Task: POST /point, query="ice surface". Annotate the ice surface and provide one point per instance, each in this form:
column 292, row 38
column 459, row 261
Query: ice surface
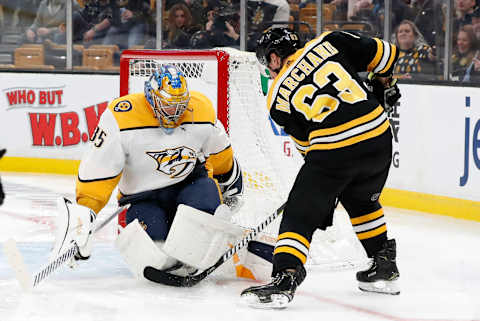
column 438, row 258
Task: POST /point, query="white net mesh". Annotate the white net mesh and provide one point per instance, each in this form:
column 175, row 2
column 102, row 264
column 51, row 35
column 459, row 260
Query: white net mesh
column 268, row 173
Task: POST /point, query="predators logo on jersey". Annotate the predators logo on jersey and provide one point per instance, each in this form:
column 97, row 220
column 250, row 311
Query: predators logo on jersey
column 175, row 162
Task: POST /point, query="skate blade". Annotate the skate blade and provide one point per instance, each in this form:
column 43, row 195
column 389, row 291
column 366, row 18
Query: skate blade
column 384, row 287
column 278, row 301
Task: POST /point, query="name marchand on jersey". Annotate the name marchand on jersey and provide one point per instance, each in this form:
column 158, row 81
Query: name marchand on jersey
column 310, row 98
column 314, row 53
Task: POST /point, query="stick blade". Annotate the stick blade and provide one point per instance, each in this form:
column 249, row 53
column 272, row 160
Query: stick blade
column 15, row 260
column 165, row 278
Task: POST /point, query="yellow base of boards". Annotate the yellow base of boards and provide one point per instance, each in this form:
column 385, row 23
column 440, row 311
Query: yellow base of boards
column 39, row 165
column 442, row 205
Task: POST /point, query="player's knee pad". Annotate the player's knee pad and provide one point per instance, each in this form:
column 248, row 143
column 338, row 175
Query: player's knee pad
column 139, row 251
column 198, row 238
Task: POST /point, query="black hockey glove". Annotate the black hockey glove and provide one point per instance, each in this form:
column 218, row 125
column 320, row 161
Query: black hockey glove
column 387, row 94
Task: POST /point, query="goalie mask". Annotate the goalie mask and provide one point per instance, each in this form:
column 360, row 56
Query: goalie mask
column 167, row 93
column 281, row 41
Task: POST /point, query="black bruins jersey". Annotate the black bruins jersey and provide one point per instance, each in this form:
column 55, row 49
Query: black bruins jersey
column 322, row 103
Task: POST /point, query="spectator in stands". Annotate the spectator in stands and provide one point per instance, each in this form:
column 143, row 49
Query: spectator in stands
column 416, row 59
column 8, row 12
column 129, row 24
column 50, row 16
column 198, row 11
column 263, row 14
column 466, row 55
column 464, row 11
column 400, row 11
column 361, row 11
column 428, row 17
column 262, row 11
column 340, row 4
column 355, row 7
column 476, row 23
column 180, row 28
column 203, row 39
column 90, row 23
column 18, row 15
column 223, row 26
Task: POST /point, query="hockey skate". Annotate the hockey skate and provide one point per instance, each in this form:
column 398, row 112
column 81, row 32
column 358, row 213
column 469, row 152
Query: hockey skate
column 383, row 274
column 278, row 293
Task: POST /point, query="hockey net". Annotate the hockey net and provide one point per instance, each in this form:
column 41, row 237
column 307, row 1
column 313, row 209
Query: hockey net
column 232, row 80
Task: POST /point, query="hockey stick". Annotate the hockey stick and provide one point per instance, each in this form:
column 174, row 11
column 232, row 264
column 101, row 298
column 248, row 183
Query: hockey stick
column 166, row 278
column 15, row 258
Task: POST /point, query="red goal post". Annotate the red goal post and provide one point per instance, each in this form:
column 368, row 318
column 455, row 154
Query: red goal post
column 193, row 56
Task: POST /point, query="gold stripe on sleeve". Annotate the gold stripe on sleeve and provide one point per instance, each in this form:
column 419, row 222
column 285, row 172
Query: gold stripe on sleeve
column 378, row 56
column 393, row 53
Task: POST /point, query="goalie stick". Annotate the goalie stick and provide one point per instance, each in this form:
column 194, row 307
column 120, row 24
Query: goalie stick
column 15, row 258
column 163, row 277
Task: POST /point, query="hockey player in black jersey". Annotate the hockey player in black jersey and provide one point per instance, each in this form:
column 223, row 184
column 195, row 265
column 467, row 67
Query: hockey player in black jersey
column 341, row 128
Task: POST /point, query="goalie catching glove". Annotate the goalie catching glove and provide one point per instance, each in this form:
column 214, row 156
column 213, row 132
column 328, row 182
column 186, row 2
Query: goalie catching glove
column 231, row 186
column 385, row 89
column 75, row 224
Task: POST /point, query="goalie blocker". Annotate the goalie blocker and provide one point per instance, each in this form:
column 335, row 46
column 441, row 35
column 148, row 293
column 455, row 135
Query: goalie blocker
column 182, row 255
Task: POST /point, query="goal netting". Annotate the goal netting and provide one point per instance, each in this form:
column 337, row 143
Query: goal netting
column 232, row 80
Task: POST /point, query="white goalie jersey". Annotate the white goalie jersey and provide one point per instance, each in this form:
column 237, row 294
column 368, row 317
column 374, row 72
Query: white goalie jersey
column 129, row 149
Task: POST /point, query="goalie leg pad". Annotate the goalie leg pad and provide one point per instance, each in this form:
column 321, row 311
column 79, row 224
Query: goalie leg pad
column 198, row 238
column 139, row 251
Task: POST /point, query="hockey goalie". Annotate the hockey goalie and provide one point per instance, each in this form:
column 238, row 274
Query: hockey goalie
column 173, row 163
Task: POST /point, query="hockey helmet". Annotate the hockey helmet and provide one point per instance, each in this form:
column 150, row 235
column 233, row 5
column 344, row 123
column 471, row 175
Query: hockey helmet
column 167, row 93
column 281, row 41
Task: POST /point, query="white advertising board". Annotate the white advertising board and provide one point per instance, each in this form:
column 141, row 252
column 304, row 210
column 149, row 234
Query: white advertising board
column 51, row 115
column 436, row 128
column 437, row 141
